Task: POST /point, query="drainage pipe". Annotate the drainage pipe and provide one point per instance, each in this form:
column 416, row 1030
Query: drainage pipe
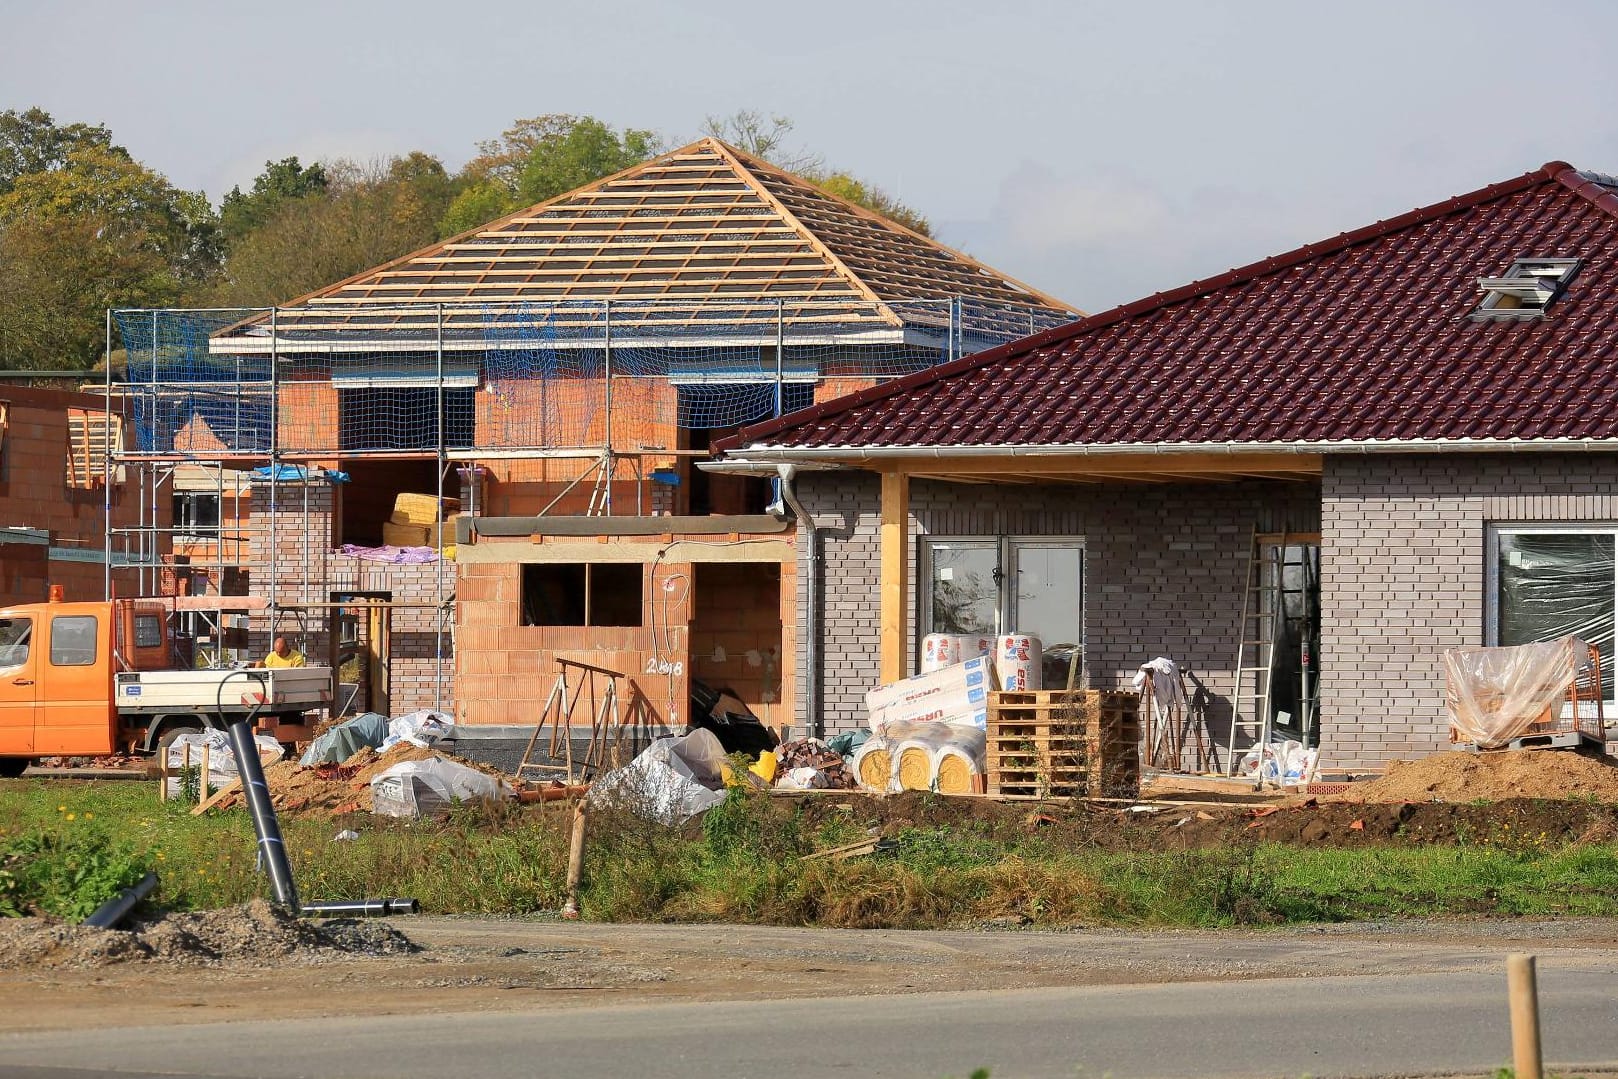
column 118, row 907
column 360, row 908
column 270, row 848
column 811, row 616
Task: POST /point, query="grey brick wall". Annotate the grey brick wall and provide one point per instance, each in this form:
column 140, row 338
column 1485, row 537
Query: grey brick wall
column 1404, row 548
column 1164, row 568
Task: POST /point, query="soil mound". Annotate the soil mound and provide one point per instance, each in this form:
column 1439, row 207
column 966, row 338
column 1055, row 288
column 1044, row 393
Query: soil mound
column 329, row 790
column 258, row 933
column 1470, row 777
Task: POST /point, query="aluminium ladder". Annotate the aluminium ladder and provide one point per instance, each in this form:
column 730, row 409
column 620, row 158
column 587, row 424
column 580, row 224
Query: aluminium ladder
column 1255, row 652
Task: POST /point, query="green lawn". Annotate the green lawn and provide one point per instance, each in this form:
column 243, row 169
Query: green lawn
column 65, row 846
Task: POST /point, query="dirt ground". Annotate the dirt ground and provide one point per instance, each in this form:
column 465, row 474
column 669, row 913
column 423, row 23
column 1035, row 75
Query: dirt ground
column 471, row 965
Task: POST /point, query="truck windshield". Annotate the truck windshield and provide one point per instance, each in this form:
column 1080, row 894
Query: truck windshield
column 15, row 634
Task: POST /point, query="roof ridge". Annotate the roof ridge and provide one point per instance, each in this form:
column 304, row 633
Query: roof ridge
column 744, row 164
column 891, row 225
column 1552, row 171
column 1597, row 187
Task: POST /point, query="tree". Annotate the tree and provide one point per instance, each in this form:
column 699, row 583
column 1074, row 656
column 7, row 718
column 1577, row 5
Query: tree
column 57, row 279
column 83, row 227
column 765, row 137
column 539, row 158
column 32, row 142
column 366, row 215
column 280, row 182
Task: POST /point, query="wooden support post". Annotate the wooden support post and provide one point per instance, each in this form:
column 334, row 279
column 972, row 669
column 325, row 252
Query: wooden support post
column 575, row 860
column 1523, row 986
column 202, row 780
column 895, row 575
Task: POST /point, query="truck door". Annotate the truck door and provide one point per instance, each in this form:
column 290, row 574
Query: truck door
column 75, row 682
column 19, row 685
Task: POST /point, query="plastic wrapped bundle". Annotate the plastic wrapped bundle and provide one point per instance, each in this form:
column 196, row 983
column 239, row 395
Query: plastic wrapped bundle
column 1498, row 694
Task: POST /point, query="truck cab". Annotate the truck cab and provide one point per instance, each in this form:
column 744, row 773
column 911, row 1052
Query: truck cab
column 90, row 679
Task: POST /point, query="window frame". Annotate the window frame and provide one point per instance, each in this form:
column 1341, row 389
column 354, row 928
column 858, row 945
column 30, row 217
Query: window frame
column 1007, row 546
column 27, row 643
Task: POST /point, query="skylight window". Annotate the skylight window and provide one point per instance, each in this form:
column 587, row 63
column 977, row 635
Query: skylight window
column 1528, row 288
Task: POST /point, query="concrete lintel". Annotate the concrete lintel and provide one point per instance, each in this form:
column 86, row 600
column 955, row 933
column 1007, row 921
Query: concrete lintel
column 617, row 550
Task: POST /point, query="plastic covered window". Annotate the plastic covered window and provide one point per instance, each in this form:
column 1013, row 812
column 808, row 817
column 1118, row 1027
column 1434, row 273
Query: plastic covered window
column 1558, row 584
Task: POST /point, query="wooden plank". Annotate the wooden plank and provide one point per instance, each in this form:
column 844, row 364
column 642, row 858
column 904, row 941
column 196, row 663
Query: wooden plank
column 895, row 575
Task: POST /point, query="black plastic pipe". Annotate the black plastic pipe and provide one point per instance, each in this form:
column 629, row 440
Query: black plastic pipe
column 361, row 908
column 270, row 847
column 118, row 907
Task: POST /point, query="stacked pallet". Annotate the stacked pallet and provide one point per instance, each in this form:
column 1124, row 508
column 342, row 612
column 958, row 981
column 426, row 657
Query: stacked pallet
column 422, row 521
column 1064, row 744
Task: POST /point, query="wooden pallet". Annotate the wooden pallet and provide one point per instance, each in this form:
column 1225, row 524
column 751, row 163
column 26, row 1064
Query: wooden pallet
column 1056, row 744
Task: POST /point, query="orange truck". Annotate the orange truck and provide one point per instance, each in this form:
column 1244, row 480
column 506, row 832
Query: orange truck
column 92, row 679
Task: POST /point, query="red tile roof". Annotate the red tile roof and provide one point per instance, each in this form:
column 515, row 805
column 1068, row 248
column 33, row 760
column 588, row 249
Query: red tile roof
column 1361, row 338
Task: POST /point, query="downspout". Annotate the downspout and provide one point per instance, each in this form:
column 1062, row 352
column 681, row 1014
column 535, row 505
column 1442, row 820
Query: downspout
column 811, row 621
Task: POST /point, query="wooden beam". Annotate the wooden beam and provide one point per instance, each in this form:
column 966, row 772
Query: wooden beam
column 895, row 604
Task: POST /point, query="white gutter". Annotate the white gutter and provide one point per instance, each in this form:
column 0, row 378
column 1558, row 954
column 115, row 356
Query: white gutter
column 856, row 454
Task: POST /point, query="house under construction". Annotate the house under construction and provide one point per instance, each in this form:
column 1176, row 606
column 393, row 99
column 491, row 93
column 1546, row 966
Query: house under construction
column 456, row 469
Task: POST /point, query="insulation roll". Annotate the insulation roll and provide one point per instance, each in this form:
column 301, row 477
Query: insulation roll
column 873, row 765
column 955, row 772
column 940, row 650
column 1017, row 659
column 915, row 766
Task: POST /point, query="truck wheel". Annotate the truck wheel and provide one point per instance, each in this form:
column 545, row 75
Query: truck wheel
column 172, row 727
column 12, row 767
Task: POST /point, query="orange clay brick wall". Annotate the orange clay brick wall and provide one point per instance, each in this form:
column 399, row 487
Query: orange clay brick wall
column 505, row 671
column 34, row 494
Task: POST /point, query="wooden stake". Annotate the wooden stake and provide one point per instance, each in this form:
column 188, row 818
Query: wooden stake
column 162, row 773
column 202, row 780
column 575, row 860
column 1523, row 986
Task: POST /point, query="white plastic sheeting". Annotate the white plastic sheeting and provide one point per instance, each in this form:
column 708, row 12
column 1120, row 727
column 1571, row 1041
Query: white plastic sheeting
column 1497, row 694
column 423, row 788
column 221, row 758
column 673, row 780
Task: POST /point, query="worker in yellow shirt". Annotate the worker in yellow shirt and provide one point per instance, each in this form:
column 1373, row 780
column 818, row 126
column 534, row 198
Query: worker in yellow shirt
column 283, row 655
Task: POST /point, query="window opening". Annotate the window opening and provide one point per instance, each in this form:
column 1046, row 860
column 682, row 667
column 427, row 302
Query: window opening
column 15, row 636
column 149, row 630
column 73, row 640
column 581, row 594
column 1528, row 288
column 196, row 513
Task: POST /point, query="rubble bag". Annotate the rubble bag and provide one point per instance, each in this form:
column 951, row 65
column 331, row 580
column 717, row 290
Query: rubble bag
column 427, row 787
column 673, row 779
column 221, row 758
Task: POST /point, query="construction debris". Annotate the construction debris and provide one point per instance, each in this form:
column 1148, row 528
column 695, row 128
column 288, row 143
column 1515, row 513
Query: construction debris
column 256, row 934
column 825, row 767
column 330, row 790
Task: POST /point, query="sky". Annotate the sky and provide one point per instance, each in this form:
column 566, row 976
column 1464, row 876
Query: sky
column 1099, row 152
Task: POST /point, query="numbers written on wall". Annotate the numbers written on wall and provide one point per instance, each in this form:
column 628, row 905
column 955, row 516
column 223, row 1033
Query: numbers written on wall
column 663, row 666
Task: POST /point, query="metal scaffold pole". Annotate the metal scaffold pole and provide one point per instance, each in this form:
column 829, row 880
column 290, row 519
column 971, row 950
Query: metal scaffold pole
column 272, row 582
column 438, row 540
column 106, row 480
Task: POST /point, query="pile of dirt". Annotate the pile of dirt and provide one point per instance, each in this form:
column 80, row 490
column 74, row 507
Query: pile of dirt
column 1516, row 824
column 257, row 934
column 1469, row 777
column 330, row 790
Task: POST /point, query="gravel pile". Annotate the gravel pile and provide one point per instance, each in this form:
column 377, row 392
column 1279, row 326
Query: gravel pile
column 256, row 934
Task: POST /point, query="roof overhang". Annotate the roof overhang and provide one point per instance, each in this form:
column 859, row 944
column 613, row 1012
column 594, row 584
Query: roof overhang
column 1141, row 462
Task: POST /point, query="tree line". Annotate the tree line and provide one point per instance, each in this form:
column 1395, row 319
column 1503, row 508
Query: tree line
column 86, row 226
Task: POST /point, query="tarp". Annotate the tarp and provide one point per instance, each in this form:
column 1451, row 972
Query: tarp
column 1497, row 694
column 423, row 788
column 672, row 781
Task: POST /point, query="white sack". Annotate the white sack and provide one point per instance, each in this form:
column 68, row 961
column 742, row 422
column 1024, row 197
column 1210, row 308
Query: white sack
column 422, row 788
column 673, row 779
column 221, row 758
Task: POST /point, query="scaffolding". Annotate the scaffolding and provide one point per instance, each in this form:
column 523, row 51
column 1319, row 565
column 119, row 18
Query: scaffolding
column 277, row 400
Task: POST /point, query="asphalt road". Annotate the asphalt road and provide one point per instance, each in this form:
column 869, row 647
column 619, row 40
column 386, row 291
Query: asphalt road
column 1348, row 1026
